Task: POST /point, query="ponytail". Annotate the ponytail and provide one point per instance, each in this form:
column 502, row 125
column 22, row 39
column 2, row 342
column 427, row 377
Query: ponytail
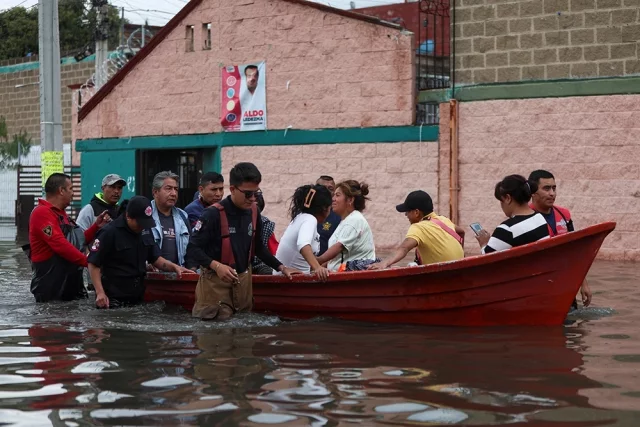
column 311, row 199
column 518, row 187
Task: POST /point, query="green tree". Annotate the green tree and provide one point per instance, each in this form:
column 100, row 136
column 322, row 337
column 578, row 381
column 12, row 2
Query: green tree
column 20, row 144
column 77, row 23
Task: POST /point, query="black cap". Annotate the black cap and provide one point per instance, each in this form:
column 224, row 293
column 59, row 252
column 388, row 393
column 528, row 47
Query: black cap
column 139, row 208
column 417, row 200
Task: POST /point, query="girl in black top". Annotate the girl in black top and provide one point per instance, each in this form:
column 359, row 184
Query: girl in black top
column 524, row 224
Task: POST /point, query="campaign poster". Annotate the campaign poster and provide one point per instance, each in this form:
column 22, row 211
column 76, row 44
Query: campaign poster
column 244, row 97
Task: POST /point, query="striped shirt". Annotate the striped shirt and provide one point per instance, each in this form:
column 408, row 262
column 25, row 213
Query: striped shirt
column 517, row 231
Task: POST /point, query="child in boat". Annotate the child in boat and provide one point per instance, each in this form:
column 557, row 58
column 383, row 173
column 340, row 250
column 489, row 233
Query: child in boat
column 436, row 237
column 524, row 224
column 351, row 246
column 300, row 242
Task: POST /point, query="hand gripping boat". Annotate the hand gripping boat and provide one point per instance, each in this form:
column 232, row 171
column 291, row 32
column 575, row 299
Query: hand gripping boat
column 533, row 284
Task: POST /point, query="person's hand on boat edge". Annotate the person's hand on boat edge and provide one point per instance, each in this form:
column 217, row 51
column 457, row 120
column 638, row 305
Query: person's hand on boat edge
column 179, row 270
column 102, row 300
column 288, row 272
column 483, row 238
column 322, row 273
column 378, row 266
column 103, row 219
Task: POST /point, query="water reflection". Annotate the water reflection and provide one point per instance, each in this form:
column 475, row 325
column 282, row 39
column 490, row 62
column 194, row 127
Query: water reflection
column 381, row 375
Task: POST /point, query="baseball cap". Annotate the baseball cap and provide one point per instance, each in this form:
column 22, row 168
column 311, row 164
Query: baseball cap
column 139, row 208
column 417, row 200
column 112, row 179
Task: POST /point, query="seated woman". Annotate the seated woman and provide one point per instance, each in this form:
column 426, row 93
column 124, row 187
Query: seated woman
column 300, row 242
column 524, row 224
column 351, row 246
column 268, row 238
column 435, row 237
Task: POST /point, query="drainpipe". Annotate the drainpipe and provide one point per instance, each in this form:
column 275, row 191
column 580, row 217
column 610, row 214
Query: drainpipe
column 454, row 185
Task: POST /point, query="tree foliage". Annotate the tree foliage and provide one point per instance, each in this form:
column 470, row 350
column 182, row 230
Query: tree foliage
column 20, row 144
column 77, row 23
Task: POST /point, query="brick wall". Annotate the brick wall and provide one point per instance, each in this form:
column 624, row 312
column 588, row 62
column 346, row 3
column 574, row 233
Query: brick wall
column 21, row 105
column 514, row 40
column 591, row 145
column 392, row 170
column 323, row 71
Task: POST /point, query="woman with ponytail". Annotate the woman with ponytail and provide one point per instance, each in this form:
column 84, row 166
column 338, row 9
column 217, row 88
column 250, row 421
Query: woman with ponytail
column 351, row 246
column 524, row 224
column 300, row 242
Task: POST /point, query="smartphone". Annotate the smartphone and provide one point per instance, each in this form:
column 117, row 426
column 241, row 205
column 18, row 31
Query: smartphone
column 476, row 227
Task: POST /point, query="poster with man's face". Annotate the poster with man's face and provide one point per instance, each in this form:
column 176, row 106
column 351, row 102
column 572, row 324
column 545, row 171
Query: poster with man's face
column 244, row 100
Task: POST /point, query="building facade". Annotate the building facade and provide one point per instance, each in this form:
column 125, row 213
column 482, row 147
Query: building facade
column 537, row 84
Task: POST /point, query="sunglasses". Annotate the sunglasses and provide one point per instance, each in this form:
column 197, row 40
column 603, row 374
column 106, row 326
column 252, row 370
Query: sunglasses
column 251, row 193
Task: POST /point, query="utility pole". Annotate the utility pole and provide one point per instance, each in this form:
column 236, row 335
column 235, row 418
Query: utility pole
column 102, row 41
column 122, row 28
column 50, row 102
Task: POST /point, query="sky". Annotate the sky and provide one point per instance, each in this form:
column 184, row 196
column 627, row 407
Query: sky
column 159, row 12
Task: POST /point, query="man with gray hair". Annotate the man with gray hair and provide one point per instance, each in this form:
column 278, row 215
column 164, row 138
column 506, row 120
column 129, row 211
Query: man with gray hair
column 171, row 231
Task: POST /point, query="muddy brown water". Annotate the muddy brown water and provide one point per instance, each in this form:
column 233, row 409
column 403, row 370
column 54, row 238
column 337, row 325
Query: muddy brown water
column 67, row 364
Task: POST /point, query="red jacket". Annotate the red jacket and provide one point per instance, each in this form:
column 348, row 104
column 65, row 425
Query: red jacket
column 46, row 236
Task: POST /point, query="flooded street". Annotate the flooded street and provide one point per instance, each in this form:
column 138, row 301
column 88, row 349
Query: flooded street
column 68, row 364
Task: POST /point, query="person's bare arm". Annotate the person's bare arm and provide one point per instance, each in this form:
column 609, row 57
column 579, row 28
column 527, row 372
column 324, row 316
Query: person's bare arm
column 401, row 252
column 331, row 253
column 320, row 271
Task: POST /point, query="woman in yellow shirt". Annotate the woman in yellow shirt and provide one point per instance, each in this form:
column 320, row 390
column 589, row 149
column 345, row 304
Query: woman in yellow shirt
column 436, row 237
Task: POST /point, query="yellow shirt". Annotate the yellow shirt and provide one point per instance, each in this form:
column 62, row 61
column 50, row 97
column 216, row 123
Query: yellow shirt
column 435, row 244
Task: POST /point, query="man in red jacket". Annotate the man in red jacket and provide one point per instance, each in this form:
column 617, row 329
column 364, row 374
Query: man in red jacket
column 558, row 218
column 56, row 262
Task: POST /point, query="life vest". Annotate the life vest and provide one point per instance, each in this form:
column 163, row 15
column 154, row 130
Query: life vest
column 227, row 257
column 562, row 218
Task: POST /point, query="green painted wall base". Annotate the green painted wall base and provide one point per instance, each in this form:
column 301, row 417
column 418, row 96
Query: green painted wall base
column 119, row 155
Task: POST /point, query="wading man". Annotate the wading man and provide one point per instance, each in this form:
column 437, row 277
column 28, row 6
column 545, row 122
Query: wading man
column 558, row 218
column 210, row 191
column 224, row 240
column 106, row 200
column 118, row 257
column 56, row 244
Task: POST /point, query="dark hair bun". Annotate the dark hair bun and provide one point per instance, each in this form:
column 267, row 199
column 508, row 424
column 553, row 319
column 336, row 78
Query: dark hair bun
column 364, row 188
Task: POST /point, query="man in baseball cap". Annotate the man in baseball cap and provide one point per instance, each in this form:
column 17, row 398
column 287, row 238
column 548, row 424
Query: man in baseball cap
column 436, row 238
column 106, row 200
column 118, row 257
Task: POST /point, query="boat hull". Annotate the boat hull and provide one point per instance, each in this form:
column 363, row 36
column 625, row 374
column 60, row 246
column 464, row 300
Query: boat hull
column 530, row 285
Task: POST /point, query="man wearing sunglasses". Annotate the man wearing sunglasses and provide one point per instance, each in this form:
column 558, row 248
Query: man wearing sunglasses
column 224, row 240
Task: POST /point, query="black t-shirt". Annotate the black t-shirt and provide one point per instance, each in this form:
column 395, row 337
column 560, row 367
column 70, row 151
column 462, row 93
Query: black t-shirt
column 205, row 244
column 122, row 256
column 169, row 248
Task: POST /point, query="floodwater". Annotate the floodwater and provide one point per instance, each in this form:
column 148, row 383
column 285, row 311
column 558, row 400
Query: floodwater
column 68, row 364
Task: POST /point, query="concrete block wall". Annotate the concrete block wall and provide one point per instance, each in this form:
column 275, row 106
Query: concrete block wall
column 392, row 170
column 519, row 40
column 323, row 71
column 21, row 105
column 590, row 144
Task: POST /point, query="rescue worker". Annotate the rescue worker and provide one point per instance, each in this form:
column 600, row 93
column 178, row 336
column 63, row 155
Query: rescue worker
column 106, row 200
column 558, row 218
column 224, row 240
column 56, row 263
column 329, row 225
column 210, row 191
column 171, row 228
column 118, row 257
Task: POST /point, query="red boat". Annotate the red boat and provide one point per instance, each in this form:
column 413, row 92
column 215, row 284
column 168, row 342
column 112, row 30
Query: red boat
column 533, row 284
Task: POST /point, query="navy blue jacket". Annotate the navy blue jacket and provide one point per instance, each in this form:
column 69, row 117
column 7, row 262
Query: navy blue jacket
column 326, row 229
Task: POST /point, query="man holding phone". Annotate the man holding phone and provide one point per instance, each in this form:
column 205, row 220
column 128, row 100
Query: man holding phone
column 558, row 218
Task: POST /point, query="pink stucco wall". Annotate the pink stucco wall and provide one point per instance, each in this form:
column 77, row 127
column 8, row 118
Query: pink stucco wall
column 323, row 71
column 591, row 145
column 392, row 170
